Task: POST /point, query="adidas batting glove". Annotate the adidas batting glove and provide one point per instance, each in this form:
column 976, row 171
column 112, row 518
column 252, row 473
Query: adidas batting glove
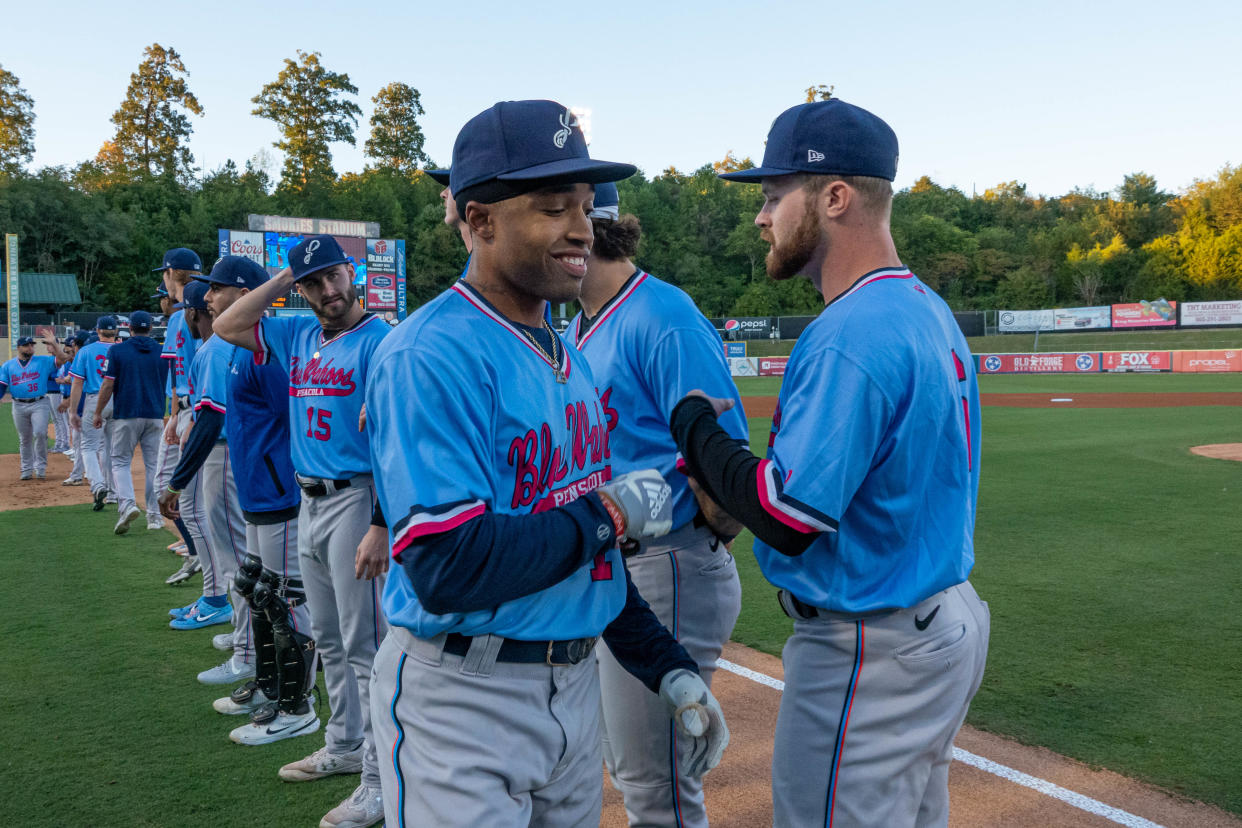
column 640, row 502
column 697, row 716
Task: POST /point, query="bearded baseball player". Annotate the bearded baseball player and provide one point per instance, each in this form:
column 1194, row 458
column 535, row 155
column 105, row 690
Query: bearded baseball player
column 648, row 345
column 864, row 509
column 492, row 459
column 217, row 526
column 25, row 378
column 179, row 266
column 343, row 555
column 87, row 372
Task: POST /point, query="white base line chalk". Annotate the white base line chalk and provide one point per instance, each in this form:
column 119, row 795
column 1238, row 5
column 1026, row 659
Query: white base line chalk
column 1077, row 800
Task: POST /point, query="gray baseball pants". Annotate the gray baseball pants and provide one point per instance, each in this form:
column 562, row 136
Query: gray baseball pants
column 469, row 741
column 226, row 531
column 346, row 618
column 170, row 455
column 690, row 580
column 126, row 434
column 60, row 422
column 96, row 443
column 30, row 419
column 276, row 544
column 79, row 456
column 870, row 709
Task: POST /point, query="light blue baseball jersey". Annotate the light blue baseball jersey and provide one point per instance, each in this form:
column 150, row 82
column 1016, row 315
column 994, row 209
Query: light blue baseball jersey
column 30, row 380
column 89, row 365
column 327, row 381
column 875, row 443
column 209, row 376
column 468, row 416
column 648, row 347
column 62, row 373
column 179, row 346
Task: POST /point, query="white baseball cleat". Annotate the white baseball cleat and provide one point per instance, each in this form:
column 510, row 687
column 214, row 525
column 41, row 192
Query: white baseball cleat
column 364, row 807
column 245, row 699
column 283, row 726
column 122, row 524
column 230, row 672
column 223, row 642
column 321, row 763
column 188, row 567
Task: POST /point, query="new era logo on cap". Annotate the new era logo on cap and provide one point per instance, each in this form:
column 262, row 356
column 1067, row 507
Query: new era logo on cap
column 813, row 157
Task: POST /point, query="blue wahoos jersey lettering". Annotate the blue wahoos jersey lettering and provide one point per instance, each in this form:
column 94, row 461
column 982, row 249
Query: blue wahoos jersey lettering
column 89, row 365
column 29, row 380
column 327, row 382
column 475, row 422
column 875, row 443
column 209, row 376
column 647, row 348
column 179, row 347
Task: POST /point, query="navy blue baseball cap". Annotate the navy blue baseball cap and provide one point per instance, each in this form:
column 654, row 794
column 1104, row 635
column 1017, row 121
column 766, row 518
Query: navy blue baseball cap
column 25, row 340
column 193, row 295
column 527, row 141
column 235, row 271
column 441, row 176
column 180, row 258
column 140, row 319
column 161, row 292
column 827, row 138
column 105, row 323
column 607, row 202
column 314, row 254
column 80, row 338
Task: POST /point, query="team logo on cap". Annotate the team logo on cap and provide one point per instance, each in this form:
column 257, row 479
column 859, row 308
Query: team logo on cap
column 813, row 157
column 310, row 251
column 568, row 122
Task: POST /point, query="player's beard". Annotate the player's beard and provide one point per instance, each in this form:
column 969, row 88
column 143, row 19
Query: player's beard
column 329, row 316
column 789, row 259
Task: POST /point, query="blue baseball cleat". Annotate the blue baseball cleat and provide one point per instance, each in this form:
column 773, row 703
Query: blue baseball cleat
column 203, row 616
column 182, row 612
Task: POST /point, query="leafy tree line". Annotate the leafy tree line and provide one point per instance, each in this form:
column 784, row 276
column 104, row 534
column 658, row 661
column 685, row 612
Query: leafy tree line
column 109, row 218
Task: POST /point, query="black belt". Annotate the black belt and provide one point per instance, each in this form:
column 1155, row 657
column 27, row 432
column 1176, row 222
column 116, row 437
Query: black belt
column 796, row 609
column 29, row 399
column 318, row 487
column 553, row 653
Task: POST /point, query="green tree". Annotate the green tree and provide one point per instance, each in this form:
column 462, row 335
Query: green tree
column 396, row 138
column 16, row 123
column 308, row 103
column 152, row 127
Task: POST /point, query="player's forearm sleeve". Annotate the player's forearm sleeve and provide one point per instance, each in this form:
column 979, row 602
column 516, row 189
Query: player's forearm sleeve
column 729, row 473
column 493, row 558
column 641, row 644
column 377, row 515
column 202, row 440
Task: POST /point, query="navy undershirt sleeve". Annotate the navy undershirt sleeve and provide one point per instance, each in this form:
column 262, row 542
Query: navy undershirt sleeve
column 729, row 473
column 641, row 644
column 495, row 558
column 203, row 436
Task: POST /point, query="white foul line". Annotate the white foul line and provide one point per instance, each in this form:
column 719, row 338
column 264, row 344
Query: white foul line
column 1043, row 786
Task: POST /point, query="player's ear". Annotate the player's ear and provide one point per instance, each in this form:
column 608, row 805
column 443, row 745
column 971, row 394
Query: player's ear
column 479, row 218
column 835, row 199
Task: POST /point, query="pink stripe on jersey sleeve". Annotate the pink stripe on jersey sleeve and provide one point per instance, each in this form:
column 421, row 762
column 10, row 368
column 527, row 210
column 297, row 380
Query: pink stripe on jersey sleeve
column 772, row 505
column 433, row 526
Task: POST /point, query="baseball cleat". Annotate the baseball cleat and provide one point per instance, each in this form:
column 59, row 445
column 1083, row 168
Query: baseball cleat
column 182, row 612
column 223, row 642
column 245, row 699
column 177, row 547
column 205, row 616
column 123, row 522
column 283, row 726
column 27, row 475
column 188, row 567
column 41, row 475
column 364, row 807
column 72, row 481
column 155, row 523
column 321, row 763
column 110, row 499
column 101, row 496
column 230, row 672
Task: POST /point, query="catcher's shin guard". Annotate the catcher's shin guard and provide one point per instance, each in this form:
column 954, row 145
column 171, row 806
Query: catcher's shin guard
column 266, row 667
column 295, row 651
column 248, row 574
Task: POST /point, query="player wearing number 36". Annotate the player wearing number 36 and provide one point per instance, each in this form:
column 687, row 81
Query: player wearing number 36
column 864, row 509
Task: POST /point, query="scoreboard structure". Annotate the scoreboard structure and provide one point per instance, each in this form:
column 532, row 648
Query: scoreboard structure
column 379, row 263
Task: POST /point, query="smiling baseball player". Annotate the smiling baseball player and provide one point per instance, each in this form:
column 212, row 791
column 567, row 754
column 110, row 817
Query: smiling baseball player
column 343, row 556
column 492, row 459
column 864, row 509
column 648, row 346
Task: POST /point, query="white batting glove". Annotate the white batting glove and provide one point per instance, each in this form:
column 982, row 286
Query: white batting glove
column 697, row 716
column 644, row 500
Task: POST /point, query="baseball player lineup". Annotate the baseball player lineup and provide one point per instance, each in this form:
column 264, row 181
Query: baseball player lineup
column 508, row 549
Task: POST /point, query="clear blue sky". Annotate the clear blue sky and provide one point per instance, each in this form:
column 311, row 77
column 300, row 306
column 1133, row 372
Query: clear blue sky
column 1054, row 94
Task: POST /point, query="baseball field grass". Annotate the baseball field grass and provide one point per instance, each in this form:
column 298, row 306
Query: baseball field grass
column 1109, row 555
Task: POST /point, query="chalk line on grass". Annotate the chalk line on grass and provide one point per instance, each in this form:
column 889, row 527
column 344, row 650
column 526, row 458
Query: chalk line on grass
column 1077, row 800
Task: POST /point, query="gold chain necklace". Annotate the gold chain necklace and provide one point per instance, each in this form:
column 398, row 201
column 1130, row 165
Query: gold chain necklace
column 556, row 363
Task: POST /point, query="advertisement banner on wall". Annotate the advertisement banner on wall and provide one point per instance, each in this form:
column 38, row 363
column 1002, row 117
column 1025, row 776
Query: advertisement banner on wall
column 1082, row 319
column 401, row 311
column 1025, row 320
column 222, row 246
column 1077, row 363
column 735, row 350
column 1136, row 361
column 1207, row 362
column 381, row 274
column 1211, row 313
column 772, row 366
column 748, row 327
column 1157, row 314
column 245, row 243
column 744, row 366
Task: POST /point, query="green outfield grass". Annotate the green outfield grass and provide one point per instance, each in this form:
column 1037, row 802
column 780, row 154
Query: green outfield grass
column 8, row 432
column 1057, row 384
column 1109, row 555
